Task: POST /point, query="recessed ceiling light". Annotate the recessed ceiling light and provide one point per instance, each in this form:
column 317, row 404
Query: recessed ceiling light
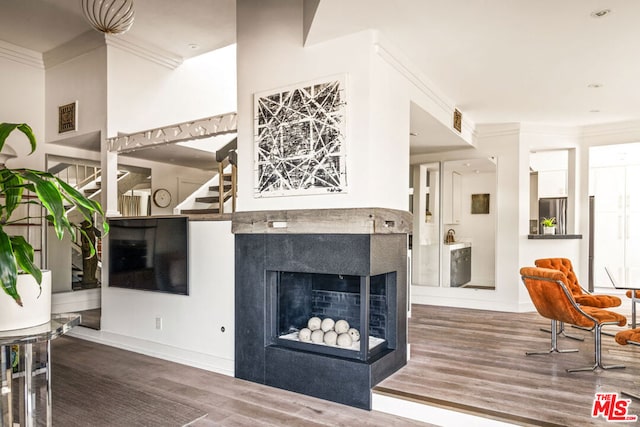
column 594, row 111
column 594, row 85
column 600, row 13
column 194, row 46
column 414, row 133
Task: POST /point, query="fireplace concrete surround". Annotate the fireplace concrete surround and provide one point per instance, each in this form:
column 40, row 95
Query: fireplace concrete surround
column 348, row 264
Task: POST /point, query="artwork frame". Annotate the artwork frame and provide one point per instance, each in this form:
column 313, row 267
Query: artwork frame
column 480, row 203
column 300, row 139
column 68, row 117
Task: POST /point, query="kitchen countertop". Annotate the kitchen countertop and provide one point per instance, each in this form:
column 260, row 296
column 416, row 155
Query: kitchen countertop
column 457, row 245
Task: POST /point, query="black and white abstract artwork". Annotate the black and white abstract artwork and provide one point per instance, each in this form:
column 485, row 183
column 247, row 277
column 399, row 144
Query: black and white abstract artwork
column 300, row 140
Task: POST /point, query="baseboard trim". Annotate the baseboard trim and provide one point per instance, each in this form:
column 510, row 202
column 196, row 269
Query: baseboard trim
column 161, row 351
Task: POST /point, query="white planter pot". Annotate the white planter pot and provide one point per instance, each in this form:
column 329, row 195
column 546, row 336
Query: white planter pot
column 548, row 230
column 36, row 306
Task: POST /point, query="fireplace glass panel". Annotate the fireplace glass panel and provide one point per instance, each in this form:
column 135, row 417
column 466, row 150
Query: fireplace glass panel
column 298, row 297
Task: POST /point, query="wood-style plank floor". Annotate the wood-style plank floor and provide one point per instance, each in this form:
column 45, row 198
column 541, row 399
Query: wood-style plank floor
column 468, row 360
column 226, row 400
column 474, row 361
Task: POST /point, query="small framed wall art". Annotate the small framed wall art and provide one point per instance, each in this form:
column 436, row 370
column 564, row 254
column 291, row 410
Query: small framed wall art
column 480, row 203
column 68, row 117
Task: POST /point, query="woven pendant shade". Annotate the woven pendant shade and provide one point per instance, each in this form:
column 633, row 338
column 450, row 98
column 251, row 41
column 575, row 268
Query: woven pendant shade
column 109, row 16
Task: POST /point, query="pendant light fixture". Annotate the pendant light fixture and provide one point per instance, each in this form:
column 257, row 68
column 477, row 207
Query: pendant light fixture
column 109, row 16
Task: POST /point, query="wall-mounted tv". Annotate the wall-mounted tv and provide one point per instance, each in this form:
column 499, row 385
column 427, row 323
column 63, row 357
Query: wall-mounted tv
column 149, row 253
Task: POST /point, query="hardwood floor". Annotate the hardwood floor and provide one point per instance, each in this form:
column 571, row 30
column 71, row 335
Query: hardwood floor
column 471, row 361
column 227, row 401
column 474, row 361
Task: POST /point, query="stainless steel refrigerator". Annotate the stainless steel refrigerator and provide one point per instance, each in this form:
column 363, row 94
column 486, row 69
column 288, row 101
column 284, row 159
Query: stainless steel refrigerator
column 553, row 207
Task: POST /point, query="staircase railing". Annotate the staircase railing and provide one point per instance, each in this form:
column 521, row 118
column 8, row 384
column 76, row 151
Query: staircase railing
column 227, row 156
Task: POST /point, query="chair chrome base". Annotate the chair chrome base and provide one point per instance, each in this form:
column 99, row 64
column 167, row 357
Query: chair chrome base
column 562, row 332
column 598, row 354
column 596, row 366
column 552, row 350
column 554, row 341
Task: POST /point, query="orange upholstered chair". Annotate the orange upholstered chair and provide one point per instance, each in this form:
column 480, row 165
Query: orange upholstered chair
column 630, row 336
column 581, row 296
column 554, row 301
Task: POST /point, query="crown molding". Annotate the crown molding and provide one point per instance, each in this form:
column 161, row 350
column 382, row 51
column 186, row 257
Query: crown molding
column 21, row 55
column 493, row 130
column 412, row 73
column 550, row 130
column 611, row 129
column 145, row 50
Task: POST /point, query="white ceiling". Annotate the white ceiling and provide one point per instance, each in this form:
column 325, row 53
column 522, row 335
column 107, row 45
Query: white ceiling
column 504, row 61
column 498, row 61
column 174, row 26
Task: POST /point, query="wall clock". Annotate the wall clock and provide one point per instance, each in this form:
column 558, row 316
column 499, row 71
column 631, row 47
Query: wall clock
column 162, row 197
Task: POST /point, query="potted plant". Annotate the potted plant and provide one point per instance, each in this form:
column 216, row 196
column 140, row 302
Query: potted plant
column 16, row 254
column 548, row 225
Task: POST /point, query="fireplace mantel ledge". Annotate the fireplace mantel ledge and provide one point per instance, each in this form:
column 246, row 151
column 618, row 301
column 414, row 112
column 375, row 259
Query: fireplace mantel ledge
column 323, row 221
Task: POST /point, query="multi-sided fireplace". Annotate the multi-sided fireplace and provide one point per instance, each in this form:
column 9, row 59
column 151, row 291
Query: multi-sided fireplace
column 321, row 313
column 360, row 301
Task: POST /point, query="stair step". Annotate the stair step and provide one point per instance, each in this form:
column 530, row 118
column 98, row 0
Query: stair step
column 209, row 199
column 200, row 211
column 90, row 191
column 227, row 187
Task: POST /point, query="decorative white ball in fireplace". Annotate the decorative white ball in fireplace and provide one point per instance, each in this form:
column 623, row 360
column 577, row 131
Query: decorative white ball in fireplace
column 314, row 323
column 330, row 337
column 327, row 324
column 355, row 334
column 344, row 340
column 317, row 336
column 341, row 327
column 304, row 334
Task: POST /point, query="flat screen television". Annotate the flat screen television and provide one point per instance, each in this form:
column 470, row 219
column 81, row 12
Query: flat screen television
column 149, row 253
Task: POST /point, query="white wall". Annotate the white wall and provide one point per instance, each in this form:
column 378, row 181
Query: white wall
column 22, row 88
column 81, row 79
column 191, row 325
column 145, row 95
column 271, row 56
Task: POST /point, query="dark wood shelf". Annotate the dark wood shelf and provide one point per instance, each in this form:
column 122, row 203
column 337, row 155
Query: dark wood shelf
column 554, row 236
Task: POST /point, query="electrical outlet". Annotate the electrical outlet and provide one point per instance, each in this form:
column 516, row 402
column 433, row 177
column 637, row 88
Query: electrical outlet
column 159, row 323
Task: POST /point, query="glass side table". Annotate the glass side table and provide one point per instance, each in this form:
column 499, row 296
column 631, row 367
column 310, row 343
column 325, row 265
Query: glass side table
column 25, row 340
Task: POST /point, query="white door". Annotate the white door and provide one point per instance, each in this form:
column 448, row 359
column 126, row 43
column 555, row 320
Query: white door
column 617, row 223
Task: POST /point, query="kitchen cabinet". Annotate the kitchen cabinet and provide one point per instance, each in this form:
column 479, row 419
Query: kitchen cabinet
column 456, row 264
column 460, row 267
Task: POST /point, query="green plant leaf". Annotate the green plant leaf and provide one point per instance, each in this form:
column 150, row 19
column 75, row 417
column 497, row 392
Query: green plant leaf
column 12, row 189
column 7, row 128
column 8, row 268
column 23, row 252
column 51, row 199
column 92, row 248
column 84, row 204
